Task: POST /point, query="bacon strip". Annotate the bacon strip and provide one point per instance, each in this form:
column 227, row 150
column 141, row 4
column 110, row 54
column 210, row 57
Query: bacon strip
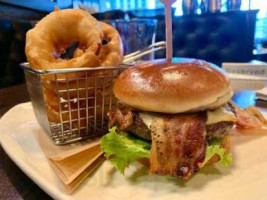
column 121, row 117
column 178, row 144
column 250, row 117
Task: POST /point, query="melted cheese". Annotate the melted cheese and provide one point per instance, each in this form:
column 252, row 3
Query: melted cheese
column 220, row 114
column 148, row 118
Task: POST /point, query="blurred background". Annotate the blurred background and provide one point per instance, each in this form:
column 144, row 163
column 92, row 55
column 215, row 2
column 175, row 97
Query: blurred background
column 214, row 30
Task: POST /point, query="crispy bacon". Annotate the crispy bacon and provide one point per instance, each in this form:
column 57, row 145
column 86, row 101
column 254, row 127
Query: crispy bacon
column 250, row 117
column 121, row 117
column 178, row 144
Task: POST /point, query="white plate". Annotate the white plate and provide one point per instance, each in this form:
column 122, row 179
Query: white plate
column 246, row 179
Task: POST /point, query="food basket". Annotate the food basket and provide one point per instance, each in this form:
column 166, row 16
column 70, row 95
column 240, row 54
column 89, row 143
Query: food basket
column 72, row 104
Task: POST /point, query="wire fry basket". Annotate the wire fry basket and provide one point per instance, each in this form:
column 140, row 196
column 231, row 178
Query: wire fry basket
column 71, row 104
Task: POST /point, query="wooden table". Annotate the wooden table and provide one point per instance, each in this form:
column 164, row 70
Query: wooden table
column 14, row 184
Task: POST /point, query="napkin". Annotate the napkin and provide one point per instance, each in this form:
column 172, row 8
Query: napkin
column 72, row 163
column 262, row 94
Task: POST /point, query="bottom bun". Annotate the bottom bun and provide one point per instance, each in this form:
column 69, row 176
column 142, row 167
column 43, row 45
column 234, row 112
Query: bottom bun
column 214, row 159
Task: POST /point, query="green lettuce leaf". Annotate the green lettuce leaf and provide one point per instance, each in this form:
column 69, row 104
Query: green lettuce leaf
column 213, row 148
column 122, row 149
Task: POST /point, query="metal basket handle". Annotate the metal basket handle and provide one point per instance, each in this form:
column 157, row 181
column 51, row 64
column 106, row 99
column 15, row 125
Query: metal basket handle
column 147, row 50
column 127, row 59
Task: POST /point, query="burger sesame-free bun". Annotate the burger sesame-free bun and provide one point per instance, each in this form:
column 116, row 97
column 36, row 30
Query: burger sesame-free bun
column 173, row 88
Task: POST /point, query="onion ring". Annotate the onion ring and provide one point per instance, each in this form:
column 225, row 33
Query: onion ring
column 58, row 30
column 112, row 52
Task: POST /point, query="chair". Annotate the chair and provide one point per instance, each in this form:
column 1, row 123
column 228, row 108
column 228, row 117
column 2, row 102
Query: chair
column 12, row 43
column 14, row 23
column 214, row 37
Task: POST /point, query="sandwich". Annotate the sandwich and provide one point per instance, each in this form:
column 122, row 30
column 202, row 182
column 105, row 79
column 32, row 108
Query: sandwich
column 174, row 118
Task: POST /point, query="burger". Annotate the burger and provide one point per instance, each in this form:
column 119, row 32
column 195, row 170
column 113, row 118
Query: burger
column 175, row 118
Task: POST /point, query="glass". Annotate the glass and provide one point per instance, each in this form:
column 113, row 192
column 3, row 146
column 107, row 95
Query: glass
column 136, row 34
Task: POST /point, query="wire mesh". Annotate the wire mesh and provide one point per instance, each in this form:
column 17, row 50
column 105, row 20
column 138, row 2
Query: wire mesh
column 72, row 105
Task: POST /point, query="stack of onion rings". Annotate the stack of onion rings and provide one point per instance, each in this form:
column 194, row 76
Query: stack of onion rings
column 51, row 37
